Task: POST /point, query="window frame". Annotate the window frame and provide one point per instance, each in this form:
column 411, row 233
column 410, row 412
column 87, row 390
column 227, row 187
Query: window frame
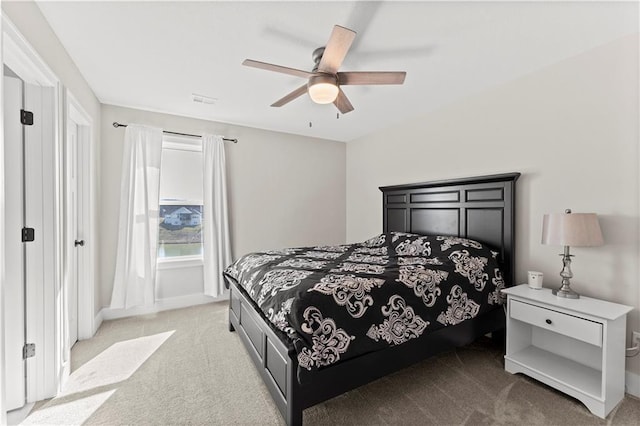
column 180, row 143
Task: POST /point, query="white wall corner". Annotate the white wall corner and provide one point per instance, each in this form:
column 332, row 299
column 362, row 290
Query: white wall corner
column 632, row 384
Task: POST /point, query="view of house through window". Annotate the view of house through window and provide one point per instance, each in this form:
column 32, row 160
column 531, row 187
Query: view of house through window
column 180, row 230
column 181, row 188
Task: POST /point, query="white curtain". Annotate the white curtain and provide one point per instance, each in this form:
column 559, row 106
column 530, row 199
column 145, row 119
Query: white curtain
column 134, row 282
column 215, row 236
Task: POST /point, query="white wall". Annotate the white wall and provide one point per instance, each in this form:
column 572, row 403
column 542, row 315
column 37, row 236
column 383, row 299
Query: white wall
column 26, row 16
column 571, row 129
column 284, row 190
column 177, row 280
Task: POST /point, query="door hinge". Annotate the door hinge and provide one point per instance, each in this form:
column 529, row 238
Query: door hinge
column 26, row 117
column 28, row 235
column 28, row 350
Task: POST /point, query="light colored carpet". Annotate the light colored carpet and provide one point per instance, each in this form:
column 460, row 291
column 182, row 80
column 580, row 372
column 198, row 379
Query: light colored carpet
column 184, row 367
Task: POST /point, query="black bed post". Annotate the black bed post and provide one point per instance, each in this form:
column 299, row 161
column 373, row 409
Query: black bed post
column 499, row 338
column 294, row 414
column 228, row 286
column 294, row 392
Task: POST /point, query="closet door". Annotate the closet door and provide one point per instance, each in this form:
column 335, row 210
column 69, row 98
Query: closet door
column 14, row 291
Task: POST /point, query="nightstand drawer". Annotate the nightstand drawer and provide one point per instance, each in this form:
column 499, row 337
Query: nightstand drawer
column 568, row 325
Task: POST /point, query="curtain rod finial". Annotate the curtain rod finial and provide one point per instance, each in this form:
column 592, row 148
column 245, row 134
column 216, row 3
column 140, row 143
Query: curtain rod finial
column 116, row 124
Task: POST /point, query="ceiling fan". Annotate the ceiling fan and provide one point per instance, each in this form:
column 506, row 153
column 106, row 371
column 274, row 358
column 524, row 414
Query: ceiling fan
column 324, row 81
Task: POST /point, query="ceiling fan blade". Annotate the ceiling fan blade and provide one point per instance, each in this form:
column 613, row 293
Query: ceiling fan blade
column 276, row 68
column 342, row 103
column 371, row 77
column 291, row 96
column 336, row 49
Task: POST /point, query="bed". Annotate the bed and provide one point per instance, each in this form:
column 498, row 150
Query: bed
column 452, row 224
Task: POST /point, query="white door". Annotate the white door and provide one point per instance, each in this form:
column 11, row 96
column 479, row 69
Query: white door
column 14, row 291
column 78, row 264
column 72, row 170
column 42, row 209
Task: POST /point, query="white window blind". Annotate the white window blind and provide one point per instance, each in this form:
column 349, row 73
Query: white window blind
column 181, row 177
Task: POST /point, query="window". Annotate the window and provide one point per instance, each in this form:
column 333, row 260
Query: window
column 181, row 182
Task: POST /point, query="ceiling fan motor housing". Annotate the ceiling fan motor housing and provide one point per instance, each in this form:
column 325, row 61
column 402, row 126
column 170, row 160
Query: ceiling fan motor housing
column 317, row 57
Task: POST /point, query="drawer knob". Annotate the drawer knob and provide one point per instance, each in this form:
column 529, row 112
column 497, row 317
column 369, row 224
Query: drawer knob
column 548, row 321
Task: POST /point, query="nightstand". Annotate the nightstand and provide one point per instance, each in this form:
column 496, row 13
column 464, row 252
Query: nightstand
column 574, row 345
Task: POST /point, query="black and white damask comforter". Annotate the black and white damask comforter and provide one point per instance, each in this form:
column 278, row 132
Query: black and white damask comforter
column 338, row 302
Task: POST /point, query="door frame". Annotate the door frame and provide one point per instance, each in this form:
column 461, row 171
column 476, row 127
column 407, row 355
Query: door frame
column 3, row 406
column 44, row 308
column 84, row 144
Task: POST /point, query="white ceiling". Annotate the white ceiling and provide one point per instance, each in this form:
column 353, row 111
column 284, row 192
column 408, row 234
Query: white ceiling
column 153, row 55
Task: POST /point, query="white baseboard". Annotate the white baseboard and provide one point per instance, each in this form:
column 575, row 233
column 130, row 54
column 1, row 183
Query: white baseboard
column 632, row 383
column 160, row 305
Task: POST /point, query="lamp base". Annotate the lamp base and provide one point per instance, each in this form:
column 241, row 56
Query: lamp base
column 566, row 274
column 566, row 293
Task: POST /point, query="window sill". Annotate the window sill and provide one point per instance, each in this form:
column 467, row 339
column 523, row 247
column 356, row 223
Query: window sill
column 179, row 262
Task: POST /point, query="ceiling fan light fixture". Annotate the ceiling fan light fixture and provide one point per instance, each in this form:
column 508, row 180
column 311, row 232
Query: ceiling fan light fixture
column 323, row 88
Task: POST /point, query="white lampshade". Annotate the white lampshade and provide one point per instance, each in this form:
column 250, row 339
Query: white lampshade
column 571, row 229
column 323, row 89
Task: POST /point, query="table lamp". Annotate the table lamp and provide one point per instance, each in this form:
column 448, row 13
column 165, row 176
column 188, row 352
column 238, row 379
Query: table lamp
column 570, row 229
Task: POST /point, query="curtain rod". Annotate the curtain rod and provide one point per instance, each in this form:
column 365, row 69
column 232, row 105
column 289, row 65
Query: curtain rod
column 116, row 125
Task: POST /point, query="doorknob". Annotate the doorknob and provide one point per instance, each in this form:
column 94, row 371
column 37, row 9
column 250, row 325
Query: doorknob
column 78, row 243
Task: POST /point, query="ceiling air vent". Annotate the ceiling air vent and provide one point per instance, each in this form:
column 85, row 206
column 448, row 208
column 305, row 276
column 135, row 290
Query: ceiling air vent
column 202, row 99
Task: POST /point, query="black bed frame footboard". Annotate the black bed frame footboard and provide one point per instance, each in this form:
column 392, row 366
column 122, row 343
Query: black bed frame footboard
column 481, row 208
column 278, row 364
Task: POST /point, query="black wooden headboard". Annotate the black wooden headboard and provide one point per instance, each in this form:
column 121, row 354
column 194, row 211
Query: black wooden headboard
column 480, row 208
